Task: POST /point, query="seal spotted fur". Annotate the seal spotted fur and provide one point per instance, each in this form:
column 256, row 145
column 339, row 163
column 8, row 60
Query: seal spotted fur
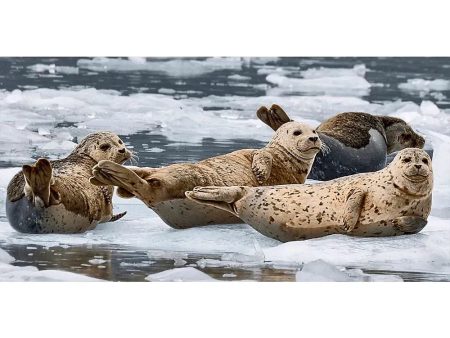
column 286, row 159
column 56, row 196
column 393, row 201
column 355, row 142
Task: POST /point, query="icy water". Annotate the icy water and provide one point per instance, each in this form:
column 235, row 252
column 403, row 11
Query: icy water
column 177, row 110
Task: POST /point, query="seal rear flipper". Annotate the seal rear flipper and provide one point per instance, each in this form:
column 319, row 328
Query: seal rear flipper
column 274, row 118
column 219, row 197
column 117, row 217
column 110, row 173
column 38, row 181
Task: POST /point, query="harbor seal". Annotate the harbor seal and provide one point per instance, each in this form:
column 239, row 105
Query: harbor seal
column 393, row 201
column 354, row 142
column 286, row 159
column 56, row 196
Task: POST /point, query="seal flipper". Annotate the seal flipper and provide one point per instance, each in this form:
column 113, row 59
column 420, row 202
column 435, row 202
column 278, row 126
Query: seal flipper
column 274, row 118
column 410, row 224
column 352, row 210
column 219, row 197
column 109, row 173
column 262, row 165
column 117, row 217
column 38, row 181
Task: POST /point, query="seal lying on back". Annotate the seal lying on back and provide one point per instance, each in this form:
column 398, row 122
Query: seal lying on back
column 355, row 142
column 286, row 159
column 56, row 196
column 393, row 201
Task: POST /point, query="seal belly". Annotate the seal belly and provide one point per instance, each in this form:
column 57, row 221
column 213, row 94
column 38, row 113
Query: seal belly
column 24, row 217
column 340, row 160
column 183, row 213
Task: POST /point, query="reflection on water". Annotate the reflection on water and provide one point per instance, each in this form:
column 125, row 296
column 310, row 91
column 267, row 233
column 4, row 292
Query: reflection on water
column 115, row 263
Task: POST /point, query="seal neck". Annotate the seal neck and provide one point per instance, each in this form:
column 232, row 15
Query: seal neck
column 284, row 153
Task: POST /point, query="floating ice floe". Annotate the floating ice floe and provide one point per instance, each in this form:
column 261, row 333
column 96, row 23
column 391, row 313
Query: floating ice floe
column 187, row 274
column 175, row 67
column 331, row 81
column 53, row 69
column 422, row 85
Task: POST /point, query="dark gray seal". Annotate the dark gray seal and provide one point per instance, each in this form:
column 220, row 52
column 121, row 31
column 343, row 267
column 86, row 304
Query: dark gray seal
column 57, row 197
column 355, row 142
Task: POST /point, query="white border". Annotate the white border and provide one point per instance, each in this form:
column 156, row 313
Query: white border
column 227, row 28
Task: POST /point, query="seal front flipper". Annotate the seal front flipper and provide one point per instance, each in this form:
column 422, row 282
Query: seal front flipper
column 352, row 210
column 274, row 118
column 262, row 165
column 219, row 197
column 38, row 181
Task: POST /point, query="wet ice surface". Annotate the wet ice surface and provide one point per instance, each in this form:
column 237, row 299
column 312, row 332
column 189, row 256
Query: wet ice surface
column 175, row 110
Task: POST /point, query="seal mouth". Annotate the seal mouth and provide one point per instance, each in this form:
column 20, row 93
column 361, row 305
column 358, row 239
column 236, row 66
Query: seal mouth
column 416, row 177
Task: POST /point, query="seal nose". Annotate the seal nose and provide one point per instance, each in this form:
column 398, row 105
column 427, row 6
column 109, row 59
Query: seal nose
column 122, row 150
column 418, row 166
column 313, row 138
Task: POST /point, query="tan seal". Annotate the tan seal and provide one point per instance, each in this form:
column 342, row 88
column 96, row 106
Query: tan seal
column 393, row 201
column 286, row 159
column 57, row 197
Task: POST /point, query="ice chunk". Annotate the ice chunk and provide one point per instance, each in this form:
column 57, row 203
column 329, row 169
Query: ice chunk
column 187, row 274
column 5, row 257
column 323, row 72
column 422, row 85
column 97, row 261
column 321, row 271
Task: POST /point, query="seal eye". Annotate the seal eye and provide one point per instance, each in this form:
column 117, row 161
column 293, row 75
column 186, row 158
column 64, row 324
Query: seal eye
column 407, row 160
column 120, row 142
column 105, row 146
column 425, row 161
column 297, row 132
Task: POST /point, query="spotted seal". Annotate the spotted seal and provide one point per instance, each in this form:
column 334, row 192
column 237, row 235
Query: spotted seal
column 56, row 196
column 286, row 159
column 354, row 142
column 393, row 201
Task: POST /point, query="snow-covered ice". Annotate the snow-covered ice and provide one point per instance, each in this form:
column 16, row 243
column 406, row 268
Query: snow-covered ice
column 11, row 273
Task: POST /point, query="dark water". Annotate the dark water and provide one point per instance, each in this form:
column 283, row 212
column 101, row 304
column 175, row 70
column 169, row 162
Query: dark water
column 129, row 264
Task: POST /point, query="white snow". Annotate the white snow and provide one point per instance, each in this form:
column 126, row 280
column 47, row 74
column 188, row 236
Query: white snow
column 422, row 85
column 187, row 274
